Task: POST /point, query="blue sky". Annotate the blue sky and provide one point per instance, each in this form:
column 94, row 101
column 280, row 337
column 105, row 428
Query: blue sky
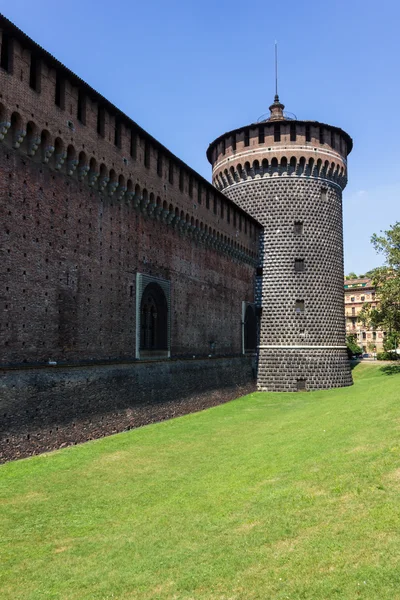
column 188, row 71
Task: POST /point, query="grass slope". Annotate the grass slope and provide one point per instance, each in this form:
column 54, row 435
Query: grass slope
column 271, row 496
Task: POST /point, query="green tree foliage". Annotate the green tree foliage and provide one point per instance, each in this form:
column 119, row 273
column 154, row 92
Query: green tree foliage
column 386, row 280
column 352, row 347
column 351, row 275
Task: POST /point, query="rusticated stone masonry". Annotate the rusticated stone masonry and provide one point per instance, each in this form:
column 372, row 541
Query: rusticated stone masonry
column 289, row 175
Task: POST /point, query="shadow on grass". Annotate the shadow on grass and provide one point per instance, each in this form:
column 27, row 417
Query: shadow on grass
column 390, row 369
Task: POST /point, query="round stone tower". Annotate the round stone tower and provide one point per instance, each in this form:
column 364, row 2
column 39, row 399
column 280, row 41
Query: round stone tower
column 289, row 174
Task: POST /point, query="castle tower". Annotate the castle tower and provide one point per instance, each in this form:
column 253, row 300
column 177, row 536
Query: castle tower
column 290, row 174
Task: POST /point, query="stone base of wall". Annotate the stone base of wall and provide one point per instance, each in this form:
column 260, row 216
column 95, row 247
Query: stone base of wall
column 283, row 370
column 49, row 408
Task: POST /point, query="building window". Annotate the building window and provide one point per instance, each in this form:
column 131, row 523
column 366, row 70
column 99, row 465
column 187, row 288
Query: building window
column 133, row 148
column 6, row 57
column 153, row 318
column 222, row 210
column 333, row 144
column 352, row 299
column 223, row 146
column 277, row 132
column 101, row 120
column 299, row 307
column 293, row 135
column 117, row 134
column 246, row 138
column 364, row 335
column 191, row 186
column 147, row 154
column 261, row 134
column 181, row 179
column 171, row 172
column 374, row 335
column 59, row 97
column 324, row 193
column 228, row 213
column 215, row 205
column 159, row 163
column 234, row 218
column 34, row 74
column 298, row 227
column 308, row 133
column 199, row 192
column 299, row 265
column 321, row 135
column 234, row 142
column 362, row 298
column 216, row 153
column 207, row 199
column 81, row 107
column 353, row 311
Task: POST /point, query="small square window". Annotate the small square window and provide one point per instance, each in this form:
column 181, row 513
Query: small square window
column 299, row 265
column 299, row 307
column 298, row 227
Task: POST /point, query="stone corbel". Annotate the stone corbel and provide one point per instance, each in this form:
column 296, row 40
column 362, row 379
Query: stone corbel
column 112, row 186
column 47, row 154
column 34, row 144
column 121, row 190
column 4, row 127
column 103, row 181
column 19, row 138
column 71, row 166
column 60, row 159
column 93, row 177
column 82, row 172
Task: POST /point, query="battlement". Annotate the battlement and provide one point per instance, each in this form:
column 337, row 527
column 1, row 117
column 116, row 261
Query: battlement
column 56, row 119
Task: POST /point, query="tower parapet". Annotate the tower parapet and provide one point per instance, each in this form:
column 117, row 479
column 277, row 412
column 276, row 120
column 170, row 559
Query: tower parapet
column 290, row 174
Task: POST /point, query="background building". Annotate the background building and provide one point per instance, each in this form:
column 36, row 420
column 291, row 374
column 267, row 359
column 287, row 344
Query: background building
column 358, row 292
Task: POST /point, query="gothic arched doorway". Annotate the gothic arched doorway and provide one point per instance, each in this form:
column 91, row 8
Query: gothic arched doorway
column 153, row 318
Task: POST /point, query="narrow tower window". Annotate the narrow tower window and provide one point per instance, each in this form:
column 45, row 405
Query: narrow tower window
column 199, row 191
column 321, row 135
column 324, row 193
column 133, row 144
column 277, row 132
column 34, row 74
column 171, row 172
column 293, row 132
column 215, row 205
column 207, row 199
column 6, row 53
column 101, row 118
column 159, row 163
column 147, row 153
column 191, row 186
column 223, row 146
column 181, row 180
column 333, row 144
column 298, row 227
column 234, row 142
column 308, row 133
column 117, row 134
column 246, row 138
column 59, row 97
column 299, row 265
column 81, row 109
column 299, row 307
column 261, row 134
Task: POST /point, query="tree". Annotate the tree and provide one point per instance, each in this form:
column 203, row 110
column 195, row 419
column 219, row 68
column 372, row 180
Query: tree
column 352, row 347
column 386, row 280
column 351, row 275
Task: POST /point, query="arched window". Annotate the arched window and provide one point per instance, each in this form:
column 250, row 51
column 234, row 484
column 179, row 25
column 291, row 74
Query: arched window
column 153, row 318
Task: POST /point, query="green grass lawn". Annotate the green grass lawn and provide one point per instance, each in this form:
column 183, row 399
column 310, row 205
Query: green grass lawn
column 271, row 496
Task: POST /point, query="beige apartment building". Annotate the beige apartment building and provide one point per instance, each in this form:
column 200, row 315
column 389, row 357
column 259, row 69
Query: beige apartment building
column 356, row 293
